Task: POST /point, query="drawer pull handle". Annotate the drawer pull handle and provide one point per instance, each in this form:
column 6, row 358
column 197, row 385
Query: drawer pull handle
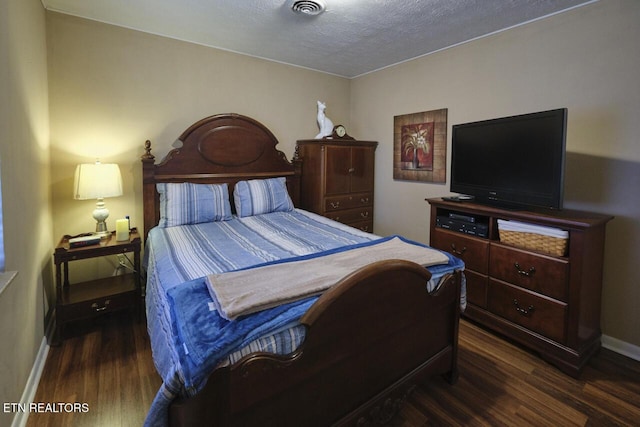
column 103, row 308
column 352, row 170
column 456, row 251
column 364, row 214
column 365, row 228
column 335, row 205
column 364, row 200
column 529, row 273
column 525, row 312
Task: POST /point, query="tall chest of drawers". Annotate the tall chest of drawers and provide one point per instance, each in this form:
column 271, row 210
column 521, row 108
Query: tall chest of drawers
column 547, row 302
column 338, row 180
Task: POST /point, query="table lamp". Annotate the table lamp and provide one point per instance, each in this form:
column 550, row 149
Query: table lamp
column 98, row 181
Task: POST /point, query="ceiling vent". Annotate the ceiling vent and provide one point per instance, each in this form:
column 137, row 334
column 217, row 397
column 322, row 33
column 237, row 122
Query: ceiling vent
column 308, row 7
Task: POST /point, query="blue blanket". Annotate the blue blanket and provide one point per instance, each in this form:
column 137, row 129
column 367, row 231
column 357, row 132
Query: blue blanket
column 204, row 338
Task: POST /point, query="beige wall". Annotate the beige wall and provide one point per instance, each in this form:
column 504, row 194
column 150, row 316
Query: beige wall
column 112, row 88
column 24, row 159
column 586, row 60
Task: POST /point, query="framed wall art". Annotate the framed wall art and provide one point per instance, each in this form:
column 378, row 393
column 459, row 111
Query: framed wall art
column 420, row 146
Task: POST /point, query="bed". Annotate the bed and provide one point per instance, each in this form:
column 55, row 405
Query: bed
column 347, row 352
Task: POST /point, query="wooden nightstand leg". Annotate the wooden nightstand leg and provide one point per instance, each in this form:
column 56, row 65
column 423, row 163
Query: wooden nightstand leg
column 56, row 339
column 65, row 268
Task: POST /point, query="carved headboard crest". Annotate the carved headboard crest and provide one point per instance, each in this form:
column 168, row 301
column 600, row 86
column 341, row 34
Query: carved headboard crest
column 221, row 148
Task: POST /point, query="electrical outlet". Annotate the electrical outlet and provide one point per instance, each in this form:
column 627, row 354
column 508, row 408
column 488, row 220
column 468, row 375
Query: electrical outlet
column 122, row 265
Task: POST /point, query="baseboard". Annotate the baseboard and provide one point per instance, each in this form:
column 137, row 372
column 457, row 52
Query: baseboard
column 621, row 347
column 30, row 389
column 20, row 419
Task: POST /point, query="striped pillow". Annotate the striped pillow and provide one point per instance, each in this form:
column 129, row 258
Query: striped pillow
column 187, row 203
column 261, row 196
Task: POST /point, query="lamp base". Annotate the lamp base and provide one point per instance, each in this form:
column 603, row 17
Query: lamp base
column 100, row 214
column 101, row 229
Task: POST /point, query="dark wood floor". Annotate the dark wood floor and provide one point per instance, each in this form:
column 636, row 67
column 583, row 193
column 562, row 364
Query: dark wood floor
column 107, row 365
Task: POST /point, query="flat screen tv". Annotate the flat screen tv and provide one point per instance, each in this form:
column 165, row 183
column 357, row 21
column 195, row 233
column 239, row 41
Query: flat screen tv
column 515, row 162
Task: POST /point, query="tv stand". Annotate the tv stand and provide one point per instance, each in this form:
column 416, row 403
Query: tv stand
column 549, row 303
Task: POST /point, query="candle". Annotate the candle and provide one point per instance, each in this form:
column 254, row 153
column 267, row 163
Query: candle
column 122, row 229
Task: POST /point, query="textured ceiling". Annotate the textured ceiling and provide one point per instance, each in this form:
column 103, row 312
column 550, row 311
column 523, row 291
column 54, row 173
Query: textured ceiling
column 352, row 37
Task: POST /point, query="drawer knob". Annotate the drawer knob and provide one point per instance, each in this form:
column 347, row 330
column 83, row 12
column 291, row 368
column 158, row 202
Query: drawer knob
column 522, row 272
column 335, row 205
column 97, row 308
column 524, row 311
column 364, row 200
column 457, row 251
column 364, row 214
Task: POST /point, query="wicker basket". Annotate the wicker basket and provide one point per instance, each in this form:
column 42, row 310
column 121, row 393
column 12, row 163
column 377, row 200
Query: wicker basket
column 537, row 242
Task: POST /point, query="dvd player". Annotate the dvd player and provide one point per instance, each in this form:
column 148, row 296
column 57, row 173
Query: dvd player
column 467, row 227
column 462, row 217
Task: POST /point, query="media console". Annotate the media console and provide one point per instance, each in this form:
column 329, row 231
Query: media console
column 548, row 303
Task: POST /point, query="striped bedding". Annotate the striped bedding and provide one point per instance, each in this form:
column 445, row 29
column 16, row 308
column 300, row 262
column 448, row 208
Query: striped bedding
column 178, row 258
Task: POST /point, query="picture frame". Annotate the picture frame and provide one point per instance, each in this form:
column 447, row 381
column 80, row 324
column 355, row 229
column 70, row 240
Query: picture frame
column 420, row 146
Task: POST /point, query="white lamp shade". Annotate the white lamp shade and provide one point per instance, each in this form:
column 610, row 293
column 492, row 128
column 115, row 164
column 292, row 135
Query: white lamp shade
column 97, row 181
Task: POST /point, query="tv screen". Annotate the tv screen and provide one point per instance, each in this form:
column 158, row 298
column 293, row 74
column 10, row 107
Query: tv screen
column 515, row 161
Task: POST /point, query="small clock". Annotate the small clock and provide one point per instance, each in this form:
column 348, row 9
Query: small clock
column 340, row 132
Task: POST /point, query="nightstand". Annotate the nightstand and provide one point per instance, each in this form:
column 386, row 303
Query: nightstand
column 95, row 297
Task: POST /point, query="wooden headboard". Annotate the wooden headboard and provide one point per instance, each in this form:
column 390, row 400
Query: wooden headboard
column 217, row 149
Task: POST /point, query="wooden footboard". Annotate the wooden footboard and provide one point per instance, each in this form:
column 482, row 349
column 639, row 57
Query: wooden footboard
column 370, row 339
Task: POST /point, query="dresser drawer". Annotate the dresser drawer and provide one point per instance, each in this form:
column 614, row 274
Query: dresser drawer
column 348, row 201
column 473, row 251
column 476, row 288
column 528, row 309
column 352, row 215
column 366, row 226
column 543, row 274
